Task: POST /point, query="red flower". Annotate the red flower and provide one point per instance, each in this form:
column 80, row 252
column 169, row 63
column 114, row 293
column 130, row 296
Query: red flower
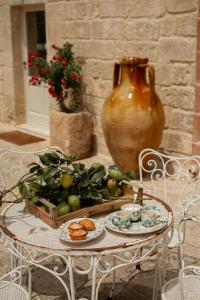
column 34, row 80
column 52, row 91
column 61, row 95
column 74, row 77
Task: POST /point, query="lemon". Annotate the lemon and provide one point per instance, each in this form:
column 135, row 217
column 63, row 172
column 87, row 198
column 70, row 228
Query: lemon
column 63, row 208
column 96, row 166
column 66, row 180
column 115, row 174
column 111, row 183
column 45, row 208
column 74, row 202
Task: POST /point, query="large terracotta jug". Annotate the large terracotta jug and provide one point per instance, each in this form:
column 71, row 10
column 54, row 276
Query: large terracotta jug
column 132, row 116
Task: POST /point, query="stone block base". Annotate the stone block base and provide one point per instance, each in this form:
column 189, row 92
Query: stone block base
column 72, row 132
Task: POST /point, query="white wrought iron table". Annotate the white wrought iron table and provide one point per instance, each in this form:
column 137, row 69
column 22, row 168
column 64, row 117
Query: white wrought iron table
column 31, row 240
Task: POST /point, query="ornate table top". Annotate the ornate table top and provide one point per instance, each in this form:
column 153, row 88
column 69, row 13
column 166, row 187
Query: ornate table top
column 29, row 231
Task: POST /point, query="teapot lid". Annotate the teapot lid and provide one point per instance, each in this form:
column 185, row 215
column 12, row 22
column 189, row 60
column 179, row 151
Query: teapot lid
column 132, row 60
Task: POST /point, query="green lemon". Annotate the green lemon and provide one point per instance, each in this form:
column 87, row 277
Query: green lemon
column 96, row 166
column 115, row 174
column 66, row 180
column 74, row 202
column 63, row 208
column 45, row 208
column 111, row 183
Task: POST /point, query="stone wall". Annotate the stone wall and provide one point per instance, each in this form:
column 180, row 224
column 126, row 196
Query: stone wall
column 103, row 31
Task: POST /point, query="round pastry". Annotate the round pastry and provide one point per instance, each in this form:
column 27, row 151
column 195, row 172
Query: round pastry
column 87, row 224
column 78, row 235
column 75, row 226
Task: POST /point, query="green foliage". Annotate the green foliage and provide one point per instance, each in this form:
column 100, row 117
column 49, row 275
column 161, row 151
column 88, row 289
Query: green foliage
column 89, row 184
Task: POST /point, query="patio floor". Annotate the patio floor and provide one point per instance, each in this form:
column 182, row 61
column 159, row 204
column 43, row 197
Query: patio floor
column 128, row 287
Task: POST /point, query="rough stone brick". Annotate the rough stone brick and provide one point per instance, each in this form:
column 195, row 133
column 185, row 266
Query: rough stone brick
column 4, row 13
column 142, row 49
column 192, row 78
column 77, row 29
column 103, row 88
column 80, row 10
column 108, row 29
column 110, row 8
column 6, row 37
column 101, row 145
column 180, row 74
column 179, row 49
column 8, row 82
column 142, row 30
column 76, row 132
column 98, row 126
column 178, row 119
column 94, row 104
column 55, row 32
column 146, row 8
column 177, row 141
column 163, row 74
column 95, row 49
column 177, row 97
column 180, row 5
column 55, row 11
column 99, row 69
column 166, row 26
column 185, row 25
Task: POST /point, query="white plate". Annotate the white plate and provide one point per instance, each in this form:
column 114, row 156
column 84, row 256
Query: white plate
column 137, row 227
column 64, row 232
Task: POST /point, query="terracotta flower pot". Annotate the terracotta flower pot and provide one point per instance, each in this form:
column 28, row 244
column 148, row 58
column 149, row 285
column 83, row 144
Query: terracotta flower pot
column 132, row 116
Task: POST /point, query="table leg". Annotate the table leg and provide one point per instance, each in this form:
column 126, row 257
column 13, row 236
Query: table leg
column 71, row 278
column 94, row 273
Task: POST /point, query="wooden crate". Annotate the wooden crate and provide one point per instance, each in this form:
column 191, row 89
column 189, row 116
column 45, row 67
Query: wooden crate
column 55, row 221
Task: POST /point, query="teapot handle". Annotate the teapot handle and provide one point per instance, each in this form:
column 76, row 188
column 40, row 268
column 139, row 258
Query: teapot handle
column 151, row 73
column 116, row 75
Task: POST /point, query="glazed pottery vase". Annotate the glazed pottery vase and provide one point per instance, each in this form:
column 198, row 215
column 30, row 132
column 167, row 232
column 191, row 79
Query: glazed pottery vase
column 132, row 116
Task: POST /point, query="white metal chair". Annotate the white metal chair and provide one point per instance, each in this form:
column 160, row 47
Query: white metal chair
column 184, row 287
column 10, row 287
column 176, row 181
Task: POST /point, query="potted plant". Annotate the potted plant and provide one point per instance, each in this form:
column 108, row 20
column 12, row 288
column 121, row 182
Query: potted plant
column 70, row 128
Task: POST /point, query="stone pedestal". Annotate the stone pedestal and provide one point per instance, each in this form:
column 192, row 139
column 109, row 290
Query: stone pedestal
column 72, row 132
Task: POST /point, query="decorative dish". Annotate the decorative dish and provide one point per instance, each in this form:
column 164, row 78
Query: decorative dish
column 138, row 227
column 81, row 230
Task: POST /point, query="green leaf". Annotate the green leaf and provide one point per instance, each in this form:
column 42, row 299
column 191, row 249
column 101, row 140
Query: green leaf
column 78, row 167
column 23, row 189
column 98, row 176
column 84, row 180
column 44, row 160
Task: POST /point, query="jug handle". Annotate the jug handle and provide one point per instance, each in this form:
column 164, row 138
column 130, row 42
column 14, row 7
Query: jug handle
column 151, row 73
column 116, row 75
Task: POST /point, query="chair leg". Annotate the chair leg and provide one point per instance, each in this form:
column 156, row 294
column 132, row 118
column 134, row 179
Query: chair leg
column 180, row 257
column 113, row 280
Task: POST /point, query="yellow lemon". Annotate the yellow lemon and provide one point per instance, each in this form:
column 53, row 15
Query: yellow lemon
column 66, row 180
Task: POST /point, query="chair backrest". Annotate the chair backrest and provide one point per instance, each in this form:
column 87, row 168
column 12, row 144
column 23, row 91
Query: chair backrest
column 14, row 164
column 189, row 276
column 173, row 179
column 10, row 289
